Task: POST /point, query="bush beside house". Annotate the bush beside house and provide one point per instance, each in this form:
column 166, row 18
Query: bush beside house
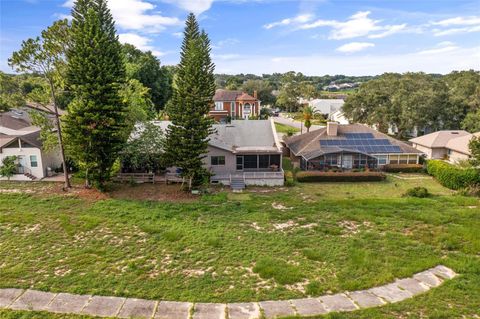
column 403, row 168
column 452, row 176
column 317, row 176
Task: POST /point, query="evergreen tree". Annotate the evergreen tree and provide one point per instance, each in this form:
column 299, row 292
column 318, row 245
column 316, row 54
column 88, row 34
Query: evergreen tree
column 96, row 121
column 193, row 90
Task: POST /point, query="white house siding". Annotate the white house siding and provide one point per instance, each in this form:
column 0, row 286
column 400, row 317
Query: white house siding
column 38, row 171
column 52, row 160
column 230, row 161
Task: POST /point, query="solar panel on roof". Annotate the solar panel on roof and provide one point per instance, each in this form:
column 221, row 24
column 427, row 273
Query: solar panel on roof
column 358, row 135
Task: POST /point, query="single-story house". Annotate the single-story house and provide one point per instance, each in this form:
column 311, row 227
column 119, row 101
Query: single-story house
column 449, row 145
column 243, row 152
column 348, row 146
column 339, row 117
column 234, row 104
column 325, row 106
column 19, row 138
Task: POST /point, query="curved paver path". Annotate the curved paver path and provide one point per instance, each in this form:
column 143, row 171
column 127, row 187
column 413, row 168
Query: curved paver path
column 19, row 299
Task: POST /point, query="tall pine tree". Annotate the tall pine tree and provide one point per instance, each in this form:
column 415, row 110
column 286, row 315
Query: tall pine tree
column 95, row 125
column 193, row 90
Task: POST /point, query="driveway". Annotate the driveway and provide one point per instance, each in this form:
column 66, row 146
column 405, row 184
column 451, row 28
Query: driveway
column 297, row 124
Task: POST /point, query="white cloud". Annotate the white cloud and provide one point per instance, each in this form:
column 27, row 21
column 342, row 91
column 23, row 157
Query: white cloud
column 456, row 25
column 354, row 47
column 442, row 62
column 301, row 18
column 195, row 6
column 136, row 15
column 357, row 25
column 389, row 30
column 439, row 32
column 471, row 20
column 178, row 34
column 140, row 42
column 442, row 47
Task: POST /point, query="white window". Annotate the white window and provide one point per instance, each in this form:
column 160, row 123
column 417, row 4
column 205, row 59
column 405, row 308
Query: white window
column 218, row 106
column 232, row 107
column 33, row 161
column 382, row 159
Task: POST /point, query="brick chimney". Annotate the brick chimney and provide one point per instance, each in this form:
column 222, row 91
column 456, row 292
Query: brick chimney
column 332, row 128
column 255, row 94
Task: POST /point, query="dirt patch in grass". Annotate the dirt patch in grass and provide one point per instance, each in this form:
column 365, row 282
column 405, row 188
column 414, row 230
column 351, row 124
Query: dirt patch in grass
column 351, row 227
column 152, row 192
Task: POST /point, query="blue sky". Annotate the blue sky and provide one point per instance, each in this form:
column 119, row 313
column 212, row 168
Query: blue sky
column 316, row 37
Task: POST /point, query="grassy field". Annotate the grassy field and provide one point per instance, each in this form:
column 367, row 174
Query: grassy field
column 306, row 240
column 283, row 128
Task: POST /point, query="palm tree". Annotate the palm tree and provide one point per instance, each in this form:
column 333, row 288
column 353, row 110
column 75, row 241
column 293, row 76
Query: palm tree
column 308, row 112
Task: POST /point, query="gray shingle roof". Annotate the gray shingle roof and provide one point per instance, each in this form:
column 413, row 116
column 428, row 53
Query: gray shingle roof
column 248, row 136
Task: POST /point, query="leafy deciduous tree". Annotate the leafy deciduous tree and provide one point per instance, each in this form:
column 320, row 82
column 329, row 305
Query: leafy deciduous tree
column 45, row 55
column 10, row 93
column 145, row 149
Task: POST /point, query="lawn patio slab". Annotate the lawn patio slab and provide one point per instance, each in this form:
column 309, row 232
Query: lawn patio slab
column 309, row 307
column 209, row 311
column 391, row 293
column 338, row 302
column 18, row 299
column 246, row 310
column 277, row 309
column 33, row 300
column 104, row 306
column 68, row 303
column 8, row 296
column 137, row 308
column 412, row 285
column 365, row 299
column 444, row 272
column 428, row 278
column 173, row 310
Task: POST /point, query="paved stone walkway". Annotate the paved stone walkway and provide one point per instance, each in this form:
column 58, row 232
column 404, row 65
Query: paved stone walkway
column 19, row 299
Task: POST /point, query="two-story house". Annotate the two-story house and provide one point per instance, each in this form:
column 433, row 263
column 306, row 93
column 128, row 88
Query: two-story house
column 234, row 105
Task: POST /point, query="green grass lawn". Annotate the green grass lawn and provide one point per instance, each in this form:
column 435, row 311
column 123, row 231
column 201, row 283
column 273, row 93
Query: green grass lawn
column 283, row 128
column 307, row 240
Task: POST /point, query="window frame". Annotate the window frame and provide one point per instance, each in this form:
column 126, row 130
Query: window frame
column 35, row 161
column 219, row 106
column 217, row 160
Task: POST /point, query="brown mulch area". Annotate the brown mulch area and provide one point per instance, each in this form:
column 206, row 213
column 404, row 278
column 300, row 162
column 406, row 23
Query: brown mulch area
column 152, row 192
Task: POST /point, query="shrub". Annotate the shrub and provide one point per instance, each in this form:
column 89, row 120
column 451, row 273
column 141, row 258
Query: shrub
column 451, row 176
column 317, row 176
column 473, row 190
column 403, row 168
column 420, row 192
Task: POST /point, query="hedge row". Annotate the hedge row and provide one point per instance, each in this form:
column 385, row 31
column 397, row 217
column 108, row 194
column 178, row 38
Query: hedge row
column 452, row 176
column 403, row 168
column 313, row 176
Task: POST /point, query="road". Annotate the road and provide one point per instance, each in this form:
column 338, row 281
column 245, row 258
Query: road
column 288, row 121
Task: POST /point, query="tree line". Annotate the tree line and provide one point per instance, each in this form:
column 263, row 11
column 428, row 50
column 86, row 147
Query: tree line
column 418, row 101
